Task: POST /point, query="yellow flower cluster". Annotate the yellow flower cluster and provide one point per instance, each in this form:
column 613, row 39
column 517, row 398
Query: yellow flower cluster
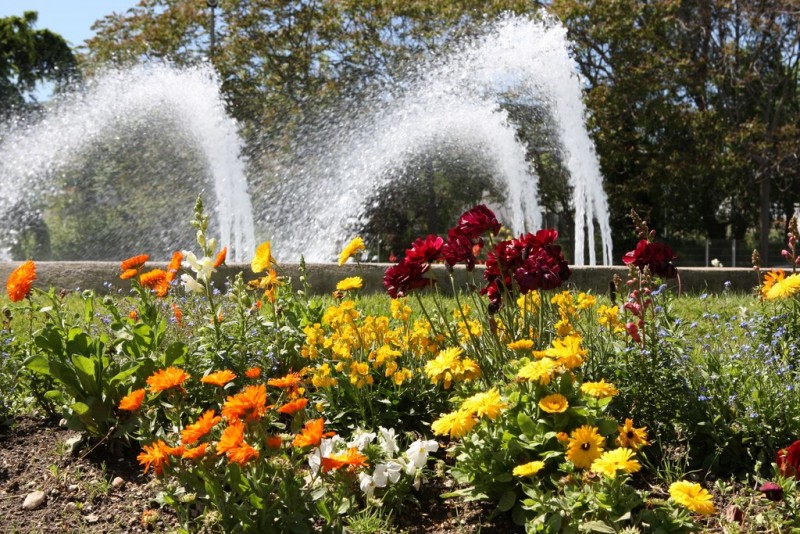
column 362, row 349
column 449, row 367
column 608, row 318
column 457, row 424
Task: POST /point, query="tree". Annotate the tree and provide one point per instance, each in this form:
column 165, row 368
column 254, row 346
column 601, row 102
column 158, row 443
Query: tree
column 28, row 57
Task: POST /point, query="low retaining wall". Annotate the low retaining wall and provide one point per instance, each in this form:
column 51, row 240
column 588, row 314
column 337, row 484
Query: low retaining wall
column 103, row 277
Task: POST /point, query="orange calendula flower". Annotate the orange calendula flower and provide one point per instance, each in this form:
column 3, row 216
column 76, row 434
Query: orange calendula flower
column 134, row 262
column 176, row 311
column 174, row 265
column 274, row 442
column 242, row 454
column 19, row 282
column 288, row 381
column 250, row 404
column 155, row 280
column 232, row 437
column 253, row 372
column 130, row 273
column 164, row 379
column 352, row 457
column 155, row 455
column 293, row 407
column 193, row 432
column 132, row 401
column 220, row 378
column 311, row 434
column 262, row 258
column 134, row 315
column 220, row 259
column 196, row 452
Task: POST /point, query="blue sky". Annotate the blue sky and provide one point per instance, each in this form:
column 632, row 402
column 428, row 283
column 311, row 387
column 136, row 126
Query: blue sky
column 72, row 19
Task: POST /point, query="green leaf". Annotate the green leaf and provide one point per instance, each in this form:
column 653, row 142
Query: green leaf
column 38, row 364
column 507, row 501
column 526, row 424
column 597, row 526
column 80, row 408
column 175, row 354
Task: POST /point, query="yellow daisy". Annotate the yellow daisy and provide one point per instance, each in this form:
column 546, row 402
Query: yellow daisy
column 692, row 496
column 529, row 469
column 488, row 403
column 614, row 461
column 521, row 345
column 585, row 446
column 555, row 403
column 356, row 245
column 788, row 287
column 599, row 389
column 631, row 437
column 455, row 424
column 350, row 283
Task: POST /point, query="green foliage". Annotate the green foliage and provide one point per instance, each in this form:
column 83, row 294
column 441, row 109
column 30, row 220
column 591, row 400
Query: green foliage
column 27, row 58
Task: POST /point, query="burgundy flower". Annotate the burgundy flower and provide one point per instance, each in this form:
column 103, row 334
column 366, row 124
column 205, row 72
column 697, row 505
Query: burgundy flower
column 656, row 256
column 426, row 250
column 543, row 269
column 404, row 277
column 788, row 460
column 771, row 491
column 542, row 238
column 477, row 221
column 493, row 293
column 458, row 249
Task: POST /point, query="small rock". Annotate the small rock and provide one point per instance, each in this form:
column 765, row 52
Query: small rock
column 92, row 518
column 72, row 444
column 34, row 500
column 70, row 507
column 72, row 487
column 118, row 483
column 63, row 423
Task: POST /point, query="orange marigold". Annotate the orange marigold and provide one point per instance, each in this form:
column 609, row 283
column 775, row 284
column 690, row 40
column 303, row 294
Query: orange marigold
column 129, row 273
column 290, row 380
column 220, row 378
column 253, row 372
column 156, row 455
column 174, row 265
column 155, row 280
column 196, row 452
column 193, row 432
column 163, row 379
column 19, row 282
column 134, row 262
column 220, row 259
column 242, row 454
column 311, row 434
column 250, row 404
column 274, row 442
column 351, row 457
column 132, row 401
column 232, row 437
column 293, row 407
column 176, row 311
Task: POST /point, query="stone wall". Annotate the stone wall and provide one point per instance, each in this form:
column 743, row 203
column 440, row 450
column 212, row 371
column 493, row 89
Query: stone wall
column 104, row 276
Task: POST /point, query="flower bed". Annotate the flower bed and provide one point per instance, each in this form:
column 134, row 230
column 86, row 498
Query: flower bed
column 262, row 408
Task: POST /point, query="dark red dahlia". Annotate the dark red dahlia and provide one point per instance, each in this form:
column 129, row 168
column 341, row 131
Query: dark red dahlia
column 657, row 257
column 788, row 460
column 477, row 221
column 458, row 249
column 406, row 276
column 426, row 250
column 543, row 269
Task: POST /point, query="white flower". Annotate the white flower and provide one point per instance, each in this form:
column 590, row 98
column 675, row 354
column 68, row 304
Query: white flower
column 387, row 441
column 417, row 454
column 388, row 472
column 716, row 263
column 204, row 267
column 191, row 285
column 366, row 483
column 361, row 439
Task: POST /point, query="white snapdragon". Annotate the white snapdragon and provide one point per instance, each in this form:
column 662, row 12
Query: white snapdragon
column 191, row 285
column 204, row 267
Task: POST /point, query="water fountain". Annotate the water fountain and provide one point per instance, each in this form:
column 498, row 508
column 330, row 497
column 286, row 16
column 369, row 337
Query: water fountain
column 186, row 101
column 452, row 99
